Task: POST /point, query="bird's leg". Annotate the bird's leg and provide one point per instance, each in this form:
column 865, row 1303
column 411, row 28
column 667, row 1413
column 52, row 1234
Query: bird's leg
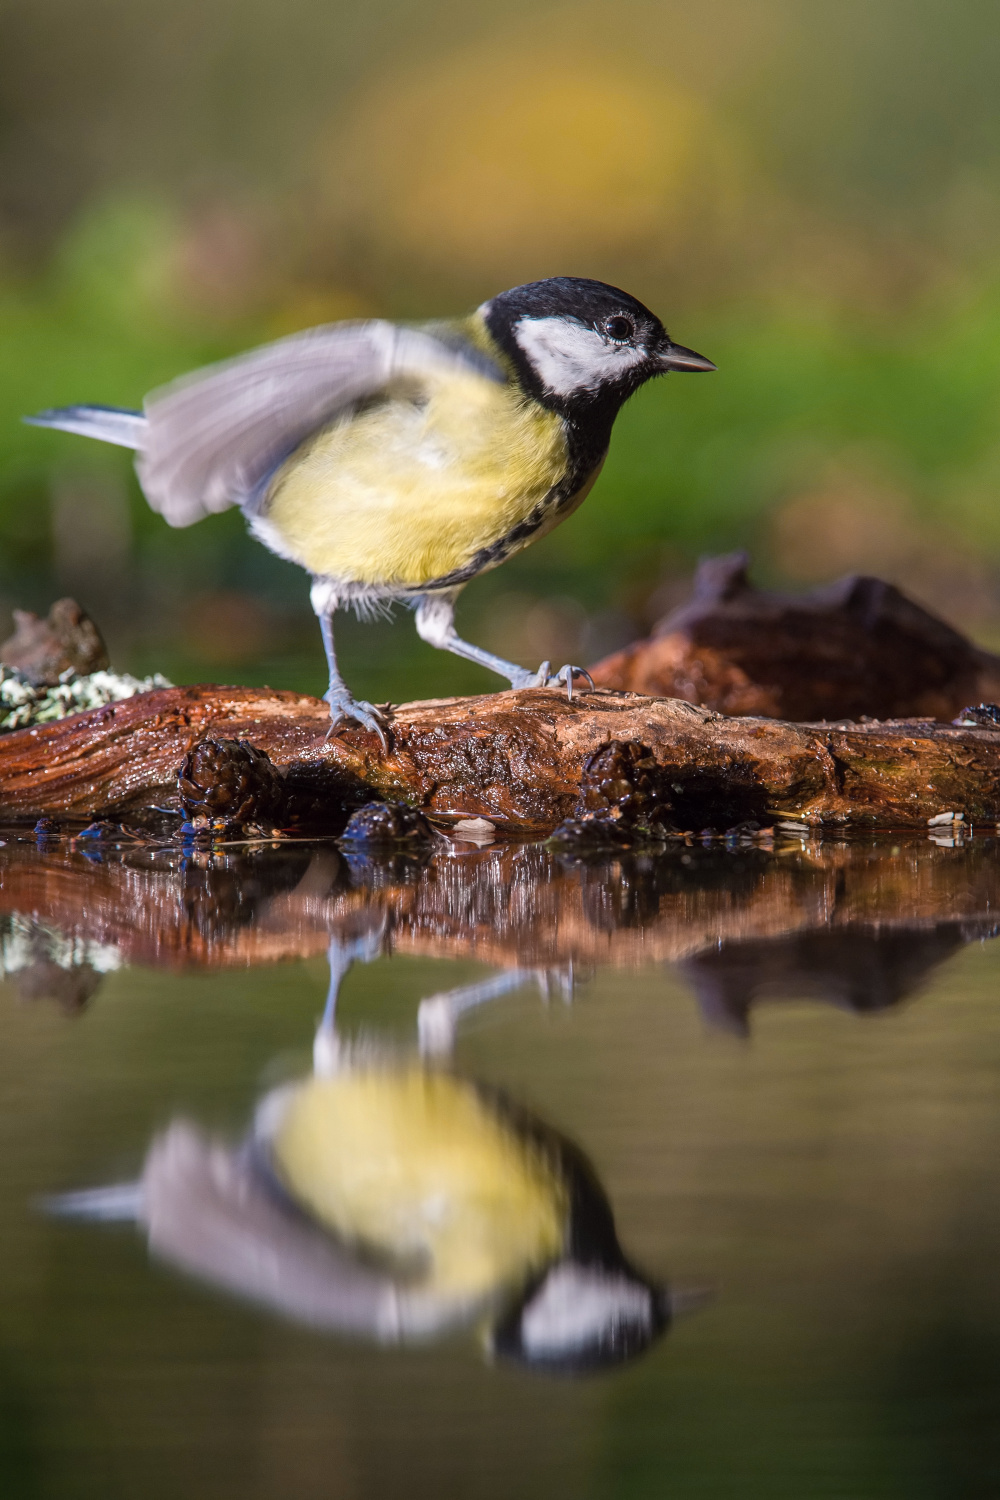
column 338, row 694
column 435, row 620
column 340, row 955
column 326, row 1043
column 439, row 1014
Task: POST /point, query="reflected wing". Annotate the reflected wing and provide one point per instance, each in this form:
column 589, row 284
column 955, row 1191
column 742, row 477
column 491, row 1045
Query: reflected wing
column 210, row 1211
column 207, row 1212
column 215, row 438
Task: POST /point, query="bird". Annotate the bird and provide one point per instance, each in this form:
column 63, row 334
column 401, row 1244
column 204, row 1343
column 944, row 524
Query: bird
column 398, row 1203
column 386, row 1196
column 395, row 463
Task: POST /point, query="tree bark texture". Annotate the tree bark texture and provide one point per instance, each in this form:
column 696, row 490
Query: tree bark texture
column 516, row 758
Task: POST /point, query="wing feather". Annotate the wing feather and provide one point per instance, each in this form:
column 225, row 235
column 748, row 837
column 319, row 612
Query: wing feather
column 208, row 1210
column 214, row 438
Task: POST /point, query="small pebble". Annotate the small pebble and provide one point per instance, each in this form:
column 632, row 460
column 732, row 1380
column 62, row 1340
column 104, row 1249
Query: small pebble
column 591, row 833
column 100, row 832
column 981, row 716
column 387, row 823
column 204, row 830
column 474, row 830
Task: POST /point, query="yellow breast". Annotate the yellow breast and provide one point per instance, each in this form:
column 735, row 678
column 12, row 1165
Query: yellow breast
column 412, row 487
column 416, row 1169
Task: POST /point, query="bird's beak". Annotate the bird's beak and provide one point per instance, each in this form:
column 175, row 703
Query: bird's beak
column 676, row 357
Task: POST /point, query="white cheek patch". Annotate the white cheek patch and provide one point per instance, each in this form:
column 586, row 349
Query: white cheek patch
column 576, row 1306
column 567, row 357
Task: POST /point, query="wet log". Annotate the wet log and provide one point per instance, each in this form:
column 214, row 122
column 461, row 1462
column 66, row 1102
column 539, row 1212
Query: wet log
column 852, row 648
column 517, row 758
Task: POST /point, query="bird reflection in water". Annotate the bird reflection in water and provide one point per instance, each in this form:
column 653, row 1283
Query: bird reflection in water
column 387, row 1197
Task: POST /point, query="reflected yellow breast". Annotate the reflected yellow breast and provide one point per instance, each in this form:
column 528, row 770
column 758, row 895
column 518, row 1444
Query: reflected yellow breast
column 415, row 1168
column 411, row 488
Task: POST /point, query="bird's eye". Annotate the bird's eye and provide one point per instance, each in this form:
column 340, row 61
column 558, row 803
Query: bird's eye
column 619, row 328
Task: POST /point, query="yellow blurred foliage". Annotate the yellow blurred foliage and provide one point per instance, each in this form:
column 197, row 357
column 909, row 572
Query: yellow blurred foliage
column 307, row 307
column 506, row 163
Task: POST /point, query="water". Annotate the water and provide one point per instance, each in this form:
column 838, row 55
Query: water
column 783, row 1067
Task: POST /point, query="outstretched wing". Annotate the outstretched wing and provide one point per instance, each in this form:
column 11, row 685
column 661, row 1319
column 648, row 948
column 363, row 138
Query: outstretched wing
column 213, row 439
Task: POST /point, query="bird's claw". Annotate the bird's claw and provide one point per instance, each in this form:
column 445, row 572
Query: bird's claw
column 343, row 707
column 544, row 677
column 566, row 675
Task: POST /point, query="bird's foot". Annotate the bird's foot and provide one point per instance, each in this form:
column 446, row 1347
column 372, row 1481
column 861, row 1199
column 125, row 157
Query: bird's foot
column 436, row 1026
column 344, row 707
column 566, row 674
column 545, row 677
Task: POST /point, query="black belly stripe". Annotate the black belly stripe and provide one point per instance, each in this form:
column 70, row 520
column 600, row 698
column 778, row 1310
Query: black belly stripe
column 559, row 497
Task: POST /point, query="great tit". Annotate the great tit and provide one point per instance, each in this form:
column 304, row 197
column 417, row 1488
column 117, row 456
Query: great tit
column 383, row 1197
column 399, row 1203
column 397, row 463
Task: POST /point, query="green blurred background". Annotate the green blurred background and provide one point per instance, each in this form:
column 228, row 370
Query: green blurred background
column 808, row 193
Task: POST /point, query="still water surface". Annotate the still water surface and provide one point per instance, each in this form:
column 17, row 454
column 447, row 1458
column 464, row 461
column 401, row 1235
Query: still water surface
column 307, row 1163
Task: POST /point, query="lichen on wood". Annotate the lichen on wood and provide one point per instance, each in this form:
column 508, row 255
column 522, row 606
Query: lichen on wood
column 23, row 702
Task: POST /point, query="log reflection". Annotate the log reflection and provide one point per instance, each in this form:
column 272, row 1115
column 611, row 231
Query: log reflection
column 851, row 923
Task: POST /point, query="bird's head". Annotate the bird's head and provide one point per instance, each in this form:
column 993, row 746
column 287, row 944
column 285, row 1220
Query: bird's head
column 579, row 1318
column 576, row 344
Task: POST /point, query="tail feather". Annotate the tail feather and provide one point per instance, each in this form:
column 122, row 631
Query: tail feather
column 111, row 424
column 119, row 1202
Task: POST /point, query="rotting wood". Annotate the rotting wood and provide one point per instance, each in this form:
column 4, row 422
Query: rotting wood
column 515, row 757
column 857, row 646
column 66, row 641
